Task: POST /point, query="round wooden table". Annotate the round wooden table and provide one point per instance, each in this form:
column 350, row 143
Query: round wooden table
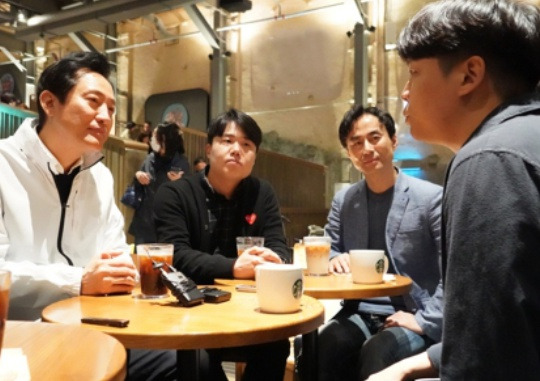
column 341, row 286
column 66, row 352
column 164, row 324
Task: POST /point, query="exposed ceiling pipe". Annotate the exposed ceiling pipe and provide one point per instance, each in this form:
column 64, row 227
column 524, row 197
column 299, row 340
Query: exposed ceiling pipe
column 93, row 16
column 12, row 58
column 150, row 42
column 236, row 26
column 27, row 59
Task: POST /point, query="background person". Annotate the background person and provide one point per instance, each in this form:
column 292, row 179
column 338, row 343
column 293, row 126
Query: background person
column 166, row 162
column 131, row 131
column 199, row 164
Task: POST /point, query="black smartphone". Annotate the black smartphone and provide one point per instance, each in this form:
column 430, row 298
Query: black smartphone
column 215, row 295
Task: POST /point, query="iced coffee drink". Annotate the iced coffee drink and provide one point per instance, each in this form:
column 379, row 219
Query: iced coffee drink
column 317, row 255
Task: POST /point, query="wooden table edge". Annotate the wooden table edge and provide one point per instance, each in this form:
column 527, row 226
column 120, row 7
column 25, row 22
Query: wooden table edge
column 401, row 285
column 195, row 341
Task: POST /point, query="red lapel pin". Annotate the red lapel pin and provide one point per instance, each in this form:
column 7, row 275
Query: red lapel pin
column 250, row 218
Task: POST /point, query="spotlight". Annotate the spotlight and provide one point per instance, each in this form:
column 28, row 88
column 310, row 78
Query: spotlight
column 22, row 16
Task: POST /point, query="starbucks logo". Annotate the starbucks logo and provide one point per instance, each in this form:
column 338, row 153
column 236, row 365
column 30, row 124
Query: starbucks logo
column 379, row 266
column 297, row 289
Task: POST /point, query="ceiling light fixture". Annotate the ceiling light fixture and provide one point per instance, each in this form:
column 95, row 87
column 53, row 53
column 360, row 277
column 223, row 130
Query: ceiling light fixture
column 22, row 16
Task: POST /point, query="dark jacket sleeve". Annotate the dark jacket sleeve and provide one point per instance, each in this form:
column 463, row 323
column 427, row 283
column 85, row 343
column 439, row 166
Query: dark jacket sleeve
column 268, row 221
column 434, row 354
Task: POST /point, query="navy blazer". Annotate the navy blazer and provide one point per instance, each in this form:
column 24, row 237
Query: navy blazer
column 413, row 235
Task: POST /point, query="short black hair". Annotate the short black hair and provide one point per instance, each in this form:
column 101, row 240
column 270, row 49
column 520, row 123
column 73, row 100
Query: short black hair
column 60, row 77
column 356, row 111
column 248, row 125
column 506, row 34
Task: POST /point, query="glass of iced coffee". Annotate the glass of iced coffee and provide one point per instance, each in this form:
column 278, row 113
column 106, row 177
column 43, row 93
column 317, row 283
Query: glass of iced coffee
column 317, row 254
column 148, row 255
column 5, row 284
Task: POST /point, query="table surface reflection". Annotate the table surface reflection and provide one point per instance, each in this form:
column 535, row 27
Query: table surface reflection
column 66, row 352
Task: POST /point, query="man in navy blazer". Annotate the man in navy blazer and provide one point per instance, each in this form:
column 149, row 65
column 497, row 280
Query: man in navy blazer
column 390, row 211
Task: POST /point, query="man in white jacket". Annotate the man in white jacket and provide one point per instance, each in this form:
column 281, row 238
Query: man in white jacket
column 61, row 234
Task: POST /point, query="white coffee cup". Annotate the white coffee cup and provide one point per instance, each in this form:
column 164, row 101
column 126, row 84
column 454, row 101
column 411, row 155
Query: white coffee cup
column 279, row 287
column 368, row 266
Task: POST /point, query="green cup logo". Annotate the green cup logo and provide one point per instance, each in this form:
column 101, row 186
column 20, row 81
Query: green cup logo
column 297, row 289
column 379, row 266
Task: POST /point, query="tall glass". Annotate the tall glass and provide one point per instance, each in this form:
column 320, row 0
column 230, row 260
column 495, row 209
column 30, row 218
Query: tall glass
column 5, row 284
column 317, row 254
column 149, row 254
column 243, row 243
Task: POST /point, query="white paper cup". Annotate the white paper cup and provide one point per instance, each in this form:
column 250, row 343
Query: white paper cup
column 279, row 287
column 368, row 266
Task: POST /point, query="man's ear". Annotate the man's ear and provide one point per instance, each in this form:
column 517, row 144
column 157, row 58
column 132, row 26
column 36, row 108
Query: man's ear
column 207, row 149
column 473, row 72
column 48, row 102
column 394, row 140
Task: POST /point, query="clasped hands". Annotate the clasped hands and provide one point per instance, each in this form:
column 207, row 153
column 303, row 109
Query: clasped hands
column 109, row 273
column 244, row 267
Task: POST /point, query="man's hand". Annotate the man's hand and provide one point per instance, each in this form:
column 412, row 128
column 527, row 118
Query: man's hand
column 340, row 264
column 173, row 176
column 405, row 320
column 411, row 368
column 108, row 273
column 244, row 267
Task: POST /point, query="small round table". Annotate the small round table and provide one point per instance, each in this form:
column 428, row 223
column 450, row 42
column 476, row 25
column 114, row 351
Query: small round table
column 164, row 324
column 66, row 352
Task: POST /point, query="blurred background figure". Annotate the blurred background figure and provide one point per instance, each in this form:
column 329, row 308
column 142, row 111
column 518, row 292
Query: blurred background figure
column 145, row 137
column 131, row 131
column 165, row 162
column 147, row 127
column 199, row 164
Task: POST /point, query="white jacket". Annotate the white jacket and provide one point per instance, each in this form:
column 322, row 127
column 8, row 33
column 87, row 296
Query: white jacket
column 30, row 222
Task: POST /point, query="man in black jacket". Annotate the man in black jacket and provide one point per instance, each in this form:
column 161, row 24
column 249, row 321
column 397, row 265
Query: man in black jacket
column 203, row 214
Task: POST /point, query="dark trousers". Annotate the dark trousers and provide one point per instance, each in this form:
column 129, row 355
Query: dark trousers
column 264, row 362
column 146, row 365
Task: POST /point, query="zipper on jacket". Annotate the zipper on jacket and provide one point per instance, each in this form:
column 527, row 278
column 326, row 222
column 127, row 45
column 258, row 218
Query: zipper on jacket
column 61, row 233
column 63, row 184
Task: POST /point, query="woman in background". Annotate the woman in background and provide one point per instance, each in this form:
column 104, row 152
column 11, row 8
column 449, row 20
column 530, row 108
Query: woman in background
column 166, row 162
